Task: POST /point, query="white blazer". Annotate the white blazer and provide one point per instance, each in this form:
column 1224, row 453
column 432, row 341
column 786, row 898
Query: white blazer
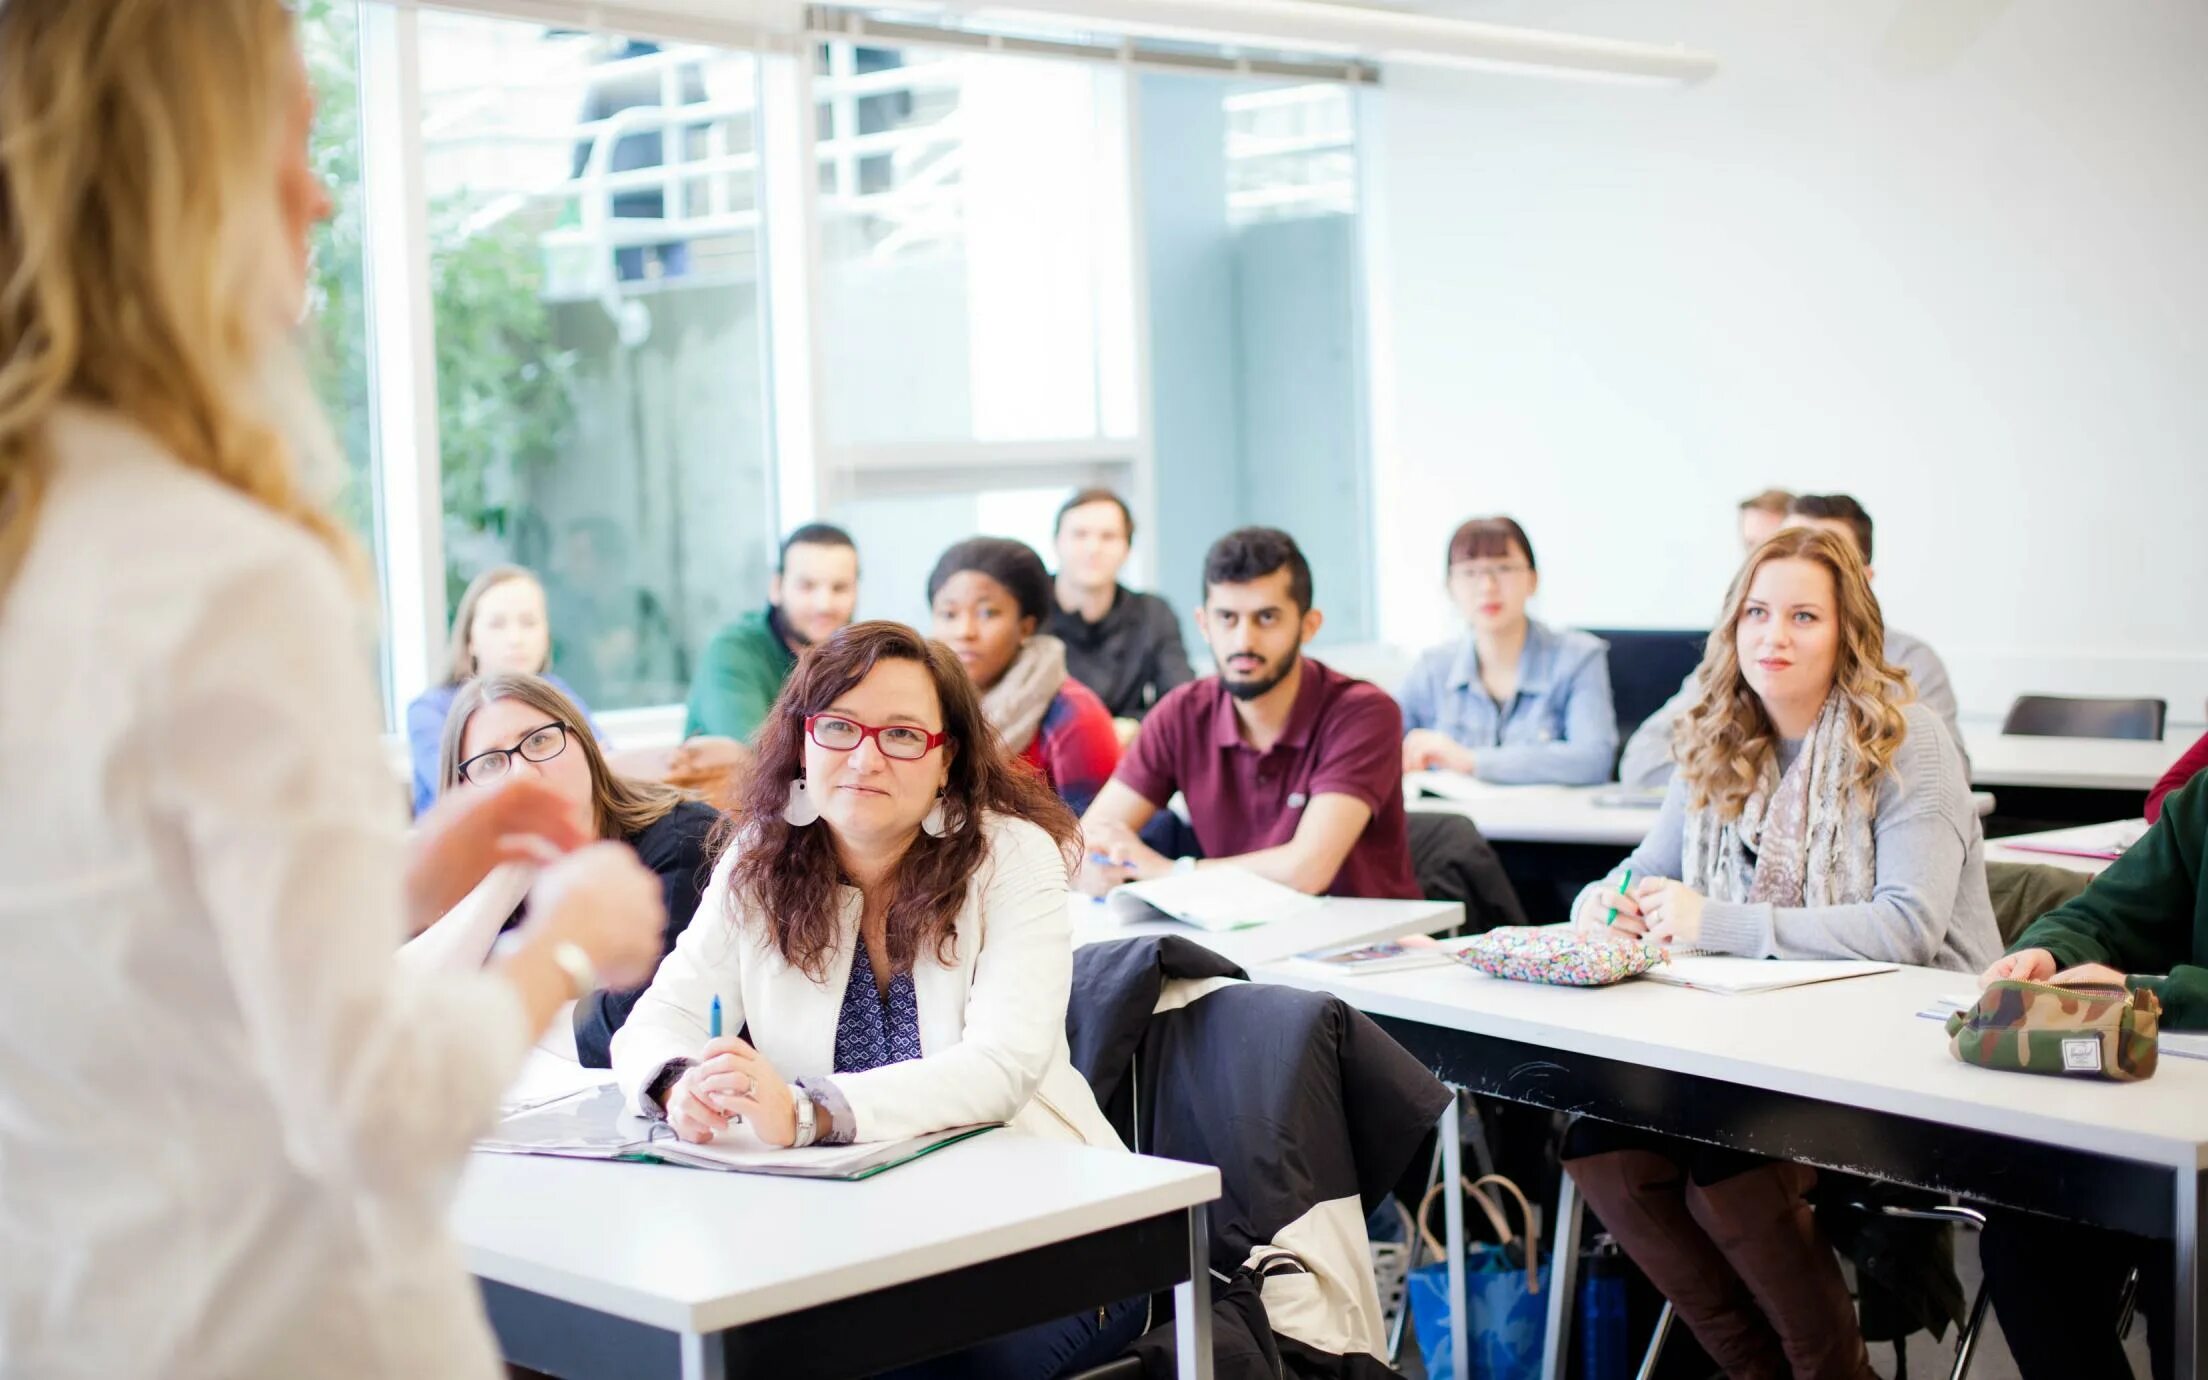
column 992, row 1022
column 229, row 1128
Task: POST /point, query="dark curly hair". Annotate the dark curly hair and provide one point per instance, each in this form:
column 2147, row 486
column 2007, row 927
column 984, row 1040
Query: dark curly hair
column 788, row 876
column 1012, row 564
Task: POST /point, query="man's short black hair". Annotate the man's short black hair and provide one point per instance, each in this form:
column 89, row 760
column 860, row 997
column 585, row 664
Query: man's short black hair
column 1083, row 499
column 813, row 534
column 1836, row 508
column 1251, row 553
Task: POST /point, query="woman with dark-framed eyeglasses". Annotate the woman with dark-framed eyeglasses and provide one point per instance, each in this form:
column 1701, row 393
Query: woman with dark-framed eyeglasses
column 886, row 936
column 506, row 726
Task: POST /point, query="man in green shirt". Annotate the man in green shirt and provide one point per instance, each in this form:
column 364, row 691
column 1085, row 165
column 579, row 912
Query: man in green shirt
column 2144, row 922
column 812, row 595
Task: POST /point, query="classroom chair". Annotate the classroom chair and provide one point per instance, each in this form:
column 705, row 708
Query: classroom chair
column 1647, row 667
column 1453, row 861
column 2085, row 716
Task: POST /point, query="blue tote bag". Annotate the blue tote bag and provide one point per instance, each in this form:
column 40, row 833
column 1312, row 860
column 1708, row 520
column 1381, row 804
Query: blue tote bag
column 1505, row 1285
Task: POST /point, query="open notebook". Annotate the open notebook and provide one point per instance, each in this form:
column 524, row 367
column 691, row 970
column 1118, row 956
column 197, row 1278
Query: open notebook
column 1740, row 976
column 593, row 1125
column 1212, row 898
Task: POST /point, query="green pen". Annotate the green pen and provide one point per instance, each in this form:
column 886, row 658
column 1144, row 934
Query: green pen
column 1612, row 918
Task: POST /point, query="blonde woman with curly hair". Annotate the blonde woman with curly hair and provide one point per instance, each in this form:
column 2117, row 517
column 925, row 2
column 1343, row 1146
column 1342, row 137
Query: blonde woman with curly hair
column 234, row 1126
column 1816, row 813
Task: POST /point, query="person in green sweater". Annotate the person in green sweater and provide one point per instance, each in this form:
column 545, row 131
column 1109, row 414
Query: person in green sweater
column 2144, row 923
column 813, row 594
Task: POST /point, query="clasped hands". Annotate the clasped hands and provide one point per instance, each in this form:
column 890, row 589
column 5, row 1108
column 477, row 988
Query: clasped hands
column 1656, row 909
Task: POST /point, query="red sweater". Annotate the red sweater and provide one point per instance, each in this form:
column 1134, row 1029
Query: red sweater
column 2194, row 760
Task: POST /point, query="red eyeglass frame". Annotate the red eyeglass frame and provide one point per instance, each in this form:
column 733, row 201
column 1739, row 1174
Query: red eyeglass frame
column 866, row 731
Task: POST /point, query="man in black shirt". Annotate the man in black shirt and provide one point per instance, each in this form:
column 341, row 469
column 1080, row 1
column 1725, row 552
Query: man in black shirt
column 1123, row 645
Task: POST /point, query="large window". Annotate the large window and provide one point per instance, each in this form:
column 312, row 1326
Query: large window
column 976, row 303
column 336, row 335
column 620, row 309
column 594, row 255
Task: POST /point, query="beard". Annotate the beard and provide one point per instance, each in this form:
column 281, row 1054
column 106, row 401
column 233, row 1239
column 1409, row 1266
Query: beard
column 1262, row 684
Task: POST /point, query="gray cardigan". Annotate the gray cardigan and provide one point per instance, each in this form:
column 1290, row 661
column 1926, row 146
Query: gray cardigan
column 1930, row 905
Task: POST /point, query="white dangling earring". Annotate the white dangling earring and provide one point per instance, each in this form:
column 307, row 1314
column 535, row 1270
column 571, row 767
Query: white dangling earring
column 802, row 809
column 934, row 824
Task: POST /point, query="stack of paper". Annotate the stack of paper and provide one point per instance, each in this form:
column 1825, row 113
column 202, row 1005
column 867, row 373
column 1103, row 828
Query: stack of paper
column 1212, row 898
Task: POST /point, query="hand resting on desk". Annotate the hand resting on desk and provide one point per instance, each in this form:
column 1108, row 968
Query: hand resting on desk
column 2038, row 965
column 1657, row 909
column 1426, row 750
column 731, row 1082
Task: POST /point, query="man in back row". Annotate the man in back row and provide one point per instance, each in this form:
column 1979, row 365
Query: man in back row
column 1291, row 770
column 1646, row 761
column 814, row 592
column 1123, row 645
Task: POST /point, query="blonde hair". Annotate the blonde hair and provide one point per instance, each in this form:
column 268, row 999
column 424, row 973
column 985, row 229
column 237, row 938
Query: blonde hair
column 622, row 806
column 138, row 223
column 1723, row 740
column 459, row 644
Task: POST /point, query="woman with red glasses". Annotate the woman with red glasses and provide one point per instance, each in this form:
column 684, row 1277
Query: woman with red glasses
column 886, row 933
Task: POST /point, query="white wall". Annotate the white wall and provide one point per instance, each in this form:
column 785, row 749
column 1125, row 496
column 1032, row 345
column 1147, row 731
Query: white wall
column 1951, row 257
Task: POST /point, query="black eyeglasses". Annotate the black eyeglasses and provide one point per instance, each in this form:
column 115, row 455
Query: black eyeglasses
column 541, row 745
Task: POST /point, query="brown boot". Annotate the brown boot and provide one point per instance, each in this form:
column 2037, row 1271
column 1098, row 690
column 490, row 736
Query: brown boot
column 1640, row 1197
column 1771, row 1238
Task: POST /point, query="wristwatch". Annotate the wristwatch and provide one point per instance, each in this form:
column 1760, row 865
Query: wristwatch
column 1183, row 866
column 582, row 974
column 801, row 1102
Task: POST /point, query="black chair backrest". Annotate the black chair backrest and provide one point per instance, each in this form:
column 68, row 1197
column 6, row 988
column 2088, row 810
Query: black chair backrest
column 1647, row 667
column 2081, row 716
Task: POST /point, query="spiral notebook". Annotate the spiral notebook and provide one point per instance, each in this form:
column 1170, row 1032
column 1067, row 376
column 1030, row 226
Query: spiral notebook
column 595, row 1125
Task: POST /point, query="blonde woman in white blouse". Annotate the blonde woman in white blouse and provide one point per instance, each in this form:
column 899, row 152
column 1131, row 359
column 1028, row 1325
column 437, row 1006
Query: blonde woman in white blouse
column 228, row 1129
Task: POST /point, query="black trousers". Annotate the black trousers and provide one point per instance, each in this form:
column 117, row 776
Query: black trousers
column 2057, row 1287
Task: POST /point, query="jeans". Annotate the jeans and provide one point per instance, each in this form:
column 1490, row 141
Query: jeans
column 1063, row 1346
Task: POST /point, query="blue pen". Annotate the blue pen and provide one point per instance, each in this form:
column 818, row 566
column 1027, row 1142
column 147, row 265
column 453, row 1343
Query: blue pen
column 1101, row 861
column 713, row 1023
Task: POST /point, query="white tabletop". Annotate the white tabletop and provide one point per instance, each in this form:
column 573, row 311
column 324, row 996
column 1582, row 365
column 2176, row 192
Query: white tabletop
column 1338, row 923
column 697, row 1250
column 1542, row 814
column 2101, row 764
column 1858, row 1042
column 2115, row 835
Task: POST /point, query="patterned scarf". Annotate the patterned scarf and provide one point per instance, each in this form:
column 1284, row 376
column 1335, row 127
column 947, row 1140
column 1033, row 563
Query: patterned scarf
column 1801, row 839
column 1016, row 704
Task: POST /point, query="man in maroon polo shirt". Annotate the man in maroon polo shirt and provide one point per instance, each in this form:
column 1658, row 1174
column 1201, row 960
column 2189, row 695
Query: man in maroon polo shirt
column 1291, row 770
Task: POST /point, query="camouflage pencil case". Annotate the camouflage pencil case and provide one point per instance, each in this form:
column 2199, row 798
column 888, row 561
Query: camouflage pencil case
column 2095, row 1031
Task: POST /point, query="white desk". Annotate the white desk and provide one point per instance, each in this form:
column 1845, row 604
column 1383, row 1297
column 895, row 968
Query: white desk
column 1842, row 1075
column 2124, row 832
column 2081, row 764
column 1541, row 814
column 1557, row 814
column 1341, row 921
column 584, row 1258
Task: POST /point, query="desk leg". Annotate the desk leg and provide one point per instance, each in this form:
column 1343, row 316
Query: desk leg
column 2191, row 1310
column 1192, row 1301
column 701, row 1360
column 1563, row 1278
column 1452, row 1200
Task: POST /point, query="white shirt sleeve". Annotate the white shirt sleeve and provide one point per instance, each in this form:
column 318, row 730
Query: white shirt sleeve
column 261, row 762
column 669, row 1021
